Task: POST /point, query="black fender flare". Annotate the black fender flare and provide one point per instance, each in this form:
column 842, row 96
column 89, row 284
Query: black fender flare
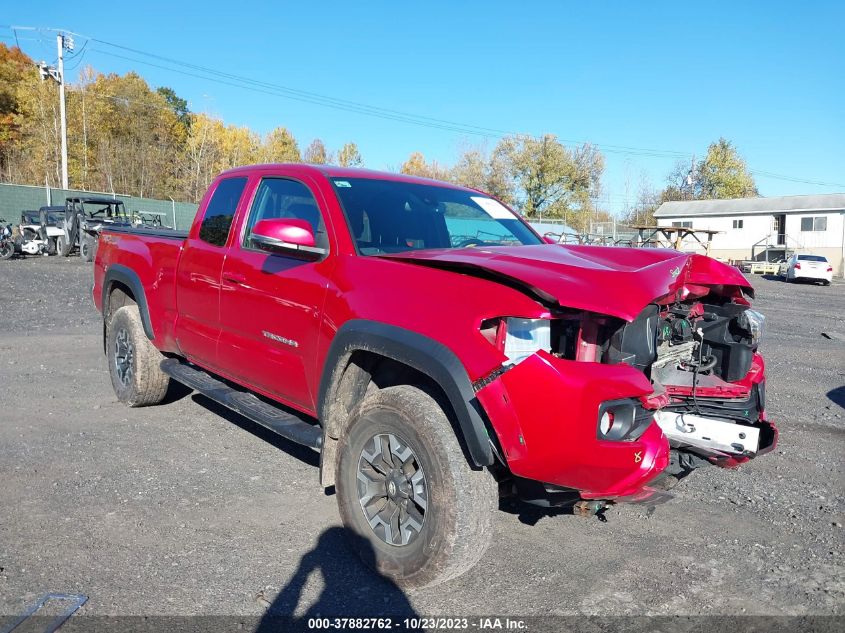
column 130, row 279
column 421, row 353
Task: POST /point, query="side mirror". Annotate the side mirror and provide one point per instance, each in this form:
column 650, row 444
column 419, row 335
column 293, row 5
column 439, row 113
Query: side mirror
column 286, row 236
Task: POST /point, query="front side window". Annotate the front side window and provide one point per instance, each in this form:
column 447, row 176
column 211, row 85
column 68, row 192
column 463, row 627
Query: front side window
column 221, row 211
column 388, row 216
column 280, row 198
column 818, row 223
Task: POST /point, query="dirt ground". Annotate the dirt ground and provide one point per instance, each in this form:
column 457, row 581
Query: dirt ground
column 186, row 508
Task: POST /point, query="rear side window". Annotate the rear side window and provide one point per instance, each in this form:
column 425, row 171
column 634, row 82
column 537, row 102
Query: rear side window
column 221, row 211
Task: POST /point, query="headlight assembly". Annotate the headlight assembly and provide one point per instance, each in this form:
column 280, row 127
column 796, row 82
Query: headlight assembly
column 754, row 323
column 524, row 337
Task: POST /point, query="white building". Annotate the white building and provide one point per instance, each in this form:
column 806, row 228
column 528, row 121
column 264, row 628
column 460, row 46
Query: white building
column 765, row 228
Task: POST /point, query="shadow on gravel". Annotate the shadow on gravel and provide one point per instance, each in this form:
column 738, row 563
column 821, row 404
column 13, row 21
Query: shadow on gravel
column 302, row 453
column 530, row 514
column 175, row 392
column 837, row 396
column 350, row 590
column 773, row 277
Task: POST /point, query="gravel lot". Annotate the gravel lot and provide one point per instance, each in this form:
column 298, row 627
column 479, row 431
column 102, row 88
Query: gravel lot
column 185, row 508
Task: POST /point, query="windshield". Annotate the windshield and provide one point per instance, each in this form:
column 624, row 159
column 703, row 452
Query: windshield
column 103, row 209
column 812, row 258
column 34, row 217
column 387, row 216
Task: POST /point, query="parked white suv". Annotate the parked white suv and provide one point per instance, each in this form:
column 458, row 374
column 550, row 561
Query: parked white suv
column 810, row 267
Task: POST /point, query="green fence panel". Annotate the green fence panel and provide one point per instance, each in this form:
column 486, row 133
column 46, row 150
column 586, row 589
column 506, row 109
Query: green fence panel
column 17, row 198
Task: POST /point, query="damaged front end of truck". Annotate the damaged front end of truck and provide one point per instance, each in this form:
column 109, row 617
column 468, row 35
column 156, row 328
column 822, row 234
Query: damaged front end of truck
column 643, row 367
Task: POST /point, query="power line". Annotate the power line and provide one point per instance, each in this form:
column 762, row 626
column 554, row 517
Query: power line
column 360, row 108
column 768, row 174
column 286, row 92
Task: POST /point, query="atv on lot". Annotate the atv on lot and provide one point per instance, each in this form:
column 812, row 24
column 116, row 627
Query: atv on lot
column 84, row 218
column 7, row 242
column 40, row 230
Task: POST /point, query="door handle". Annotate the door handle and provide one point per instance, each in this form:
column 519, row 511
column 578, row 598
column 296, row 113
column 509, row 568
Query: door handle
column 235, row 278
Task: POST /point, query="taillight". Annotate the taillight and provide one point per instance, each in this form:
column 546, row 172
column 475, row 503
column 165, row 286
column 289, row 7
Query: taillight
column 830, row 269
column 797, row 266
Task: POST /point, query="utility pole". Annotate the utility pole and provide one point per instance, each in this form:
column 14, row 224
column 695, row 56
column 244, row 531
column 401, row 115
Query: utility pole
column 63, row 43
column 691, row 178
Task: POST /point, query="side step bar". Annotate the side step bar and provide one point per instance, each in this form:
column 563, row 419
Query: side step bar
column 285, row 424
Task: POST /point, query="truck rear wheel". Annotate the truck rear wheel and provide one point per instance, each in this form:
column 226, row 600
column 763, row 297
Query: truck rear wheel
column 133, row 360
column 420, row 513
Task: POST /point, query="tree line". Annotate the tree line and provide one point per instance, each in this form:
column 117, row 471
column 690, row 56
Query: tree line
column 128, row 137
column 721, row 174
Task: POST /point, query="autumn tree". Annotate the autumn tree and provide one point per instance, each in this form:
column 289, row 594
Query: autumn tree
column 316, row 153
column 15, row 68
column 477, row 169
column 349, row 156
column 721, row 174
column 416, row 165
column 548, row 179
column 132, row 132
column 177, row 104
column 724, row 174
column 212, row 147
column 280, row 147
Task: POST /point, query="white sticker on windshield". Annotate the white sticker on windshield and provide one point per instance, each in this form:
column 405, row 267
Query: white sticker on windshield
column 494, row 208
column 342, row 183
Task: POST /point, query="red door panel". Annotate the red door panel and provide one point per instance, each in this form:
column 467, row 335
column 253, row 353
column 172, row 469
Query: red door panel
column 271, row 304
column 198, row 272
column 198, row 300
column 269, row 322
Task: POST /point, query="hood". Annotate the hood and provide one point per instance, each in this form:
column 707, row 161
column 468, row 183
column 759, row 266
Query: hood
column 609, row 280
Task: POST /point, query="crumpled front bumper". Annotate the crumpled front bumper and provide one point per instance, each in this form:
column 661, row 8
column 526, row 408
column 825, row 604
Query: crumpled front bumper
column 545, row 413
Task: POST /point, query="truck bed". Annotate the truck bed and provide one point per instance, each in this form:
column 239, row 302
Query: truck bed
column 151, row 254
column 158, row 231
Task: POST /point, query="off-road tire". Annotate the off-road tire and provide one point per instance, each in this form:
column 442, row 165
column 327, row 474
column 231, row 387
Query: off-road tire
column 87, row 248
column 7, row 250
column 62, row 246
column 144, row 384
column 52, row 246
column 461, row 501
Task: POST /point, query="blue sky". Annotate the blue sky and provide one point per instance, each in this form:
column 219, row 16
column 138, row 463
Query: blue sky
column 629, row 76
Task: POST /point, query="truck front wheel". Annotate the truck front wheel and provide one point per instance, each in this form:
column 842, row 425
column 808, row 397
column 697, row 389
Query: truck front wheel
column 417, row 512
column 133, row 360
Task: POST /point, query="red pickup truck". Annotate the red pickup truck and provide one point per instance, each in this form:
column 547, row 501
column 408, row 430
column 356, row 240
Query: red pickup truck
column 436, row 351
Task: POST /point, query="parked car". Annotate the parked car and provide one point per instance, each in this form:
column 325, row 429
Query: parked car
column 807, row 267
column 436, row 351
